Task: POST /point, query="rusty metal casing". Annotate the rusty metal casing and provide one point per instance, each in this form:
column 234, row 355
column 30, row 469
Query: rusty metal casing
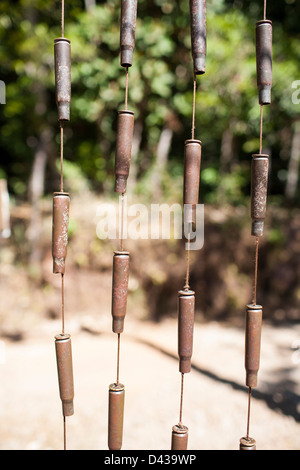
column 115, row 416
column 254, row 315
column 198, row 34
column 65, row 372
column 259, row 190
column 62, row 61
column 127, row 31
column 192, row 163
column 186, row 313
column 119, row 289
column 180, row 436
column 123, row 149
column 60, row 224
column 247, row 443
column 264, row 60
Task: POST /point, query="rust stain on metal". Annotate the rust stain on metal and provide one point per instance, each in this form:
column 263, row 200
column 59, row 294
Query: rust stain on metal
column 186, row 313
column 180, row 436
column 198, row 34
column 127, row 31
column 254, row 315
column 259, row 190
column 119, row 289
column 264, row 60
column 192, row 163
column 65, row 372
column 62, row 60
column 115, row 416
column 123, row 149
column 61, row 204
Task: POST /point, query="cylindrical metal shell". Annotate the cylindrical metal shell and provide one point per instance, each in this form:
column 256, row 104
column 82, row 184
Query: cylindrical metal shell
column 180, row 436
column 115, row 416
column 264, row 60
column 192, row 163
column 62, row 61
column 127, row 31
column 61, row 204
column 247, row 443
column 119, row 289
column 254, row 315
column 186, row 313
column 65, row 372
column 198, row 34
column 123, row 149
column 259, row 191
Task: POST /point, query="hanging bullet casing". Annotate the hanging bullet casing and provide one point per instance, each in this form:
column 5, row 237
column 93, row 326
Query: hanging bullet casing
column 259, row 190
column 186, row 313
column 62, row 60
column 264, row 60
column 123, row 149
column 127, row 31
column 119, row 289
column 115, row 416
column 198, row 34
column 61, row 204
column 247, row 443
column 192, row 163
column 180, row 436
column 65, row 372
column 254, row 315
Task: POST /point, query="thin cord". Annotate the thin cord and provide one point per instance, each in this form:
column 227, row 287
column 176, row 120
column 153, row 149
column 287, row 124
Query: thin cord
column 187, row 278
column 265, row 9
column 255, row 271
column 261, row 129
column 248, row 417
column 118, row 359
column 126, row 90
column 181, row 401
column 62, row 18
column 194, row 107
column 63, row 304
column 61, row 156
column 122, row 224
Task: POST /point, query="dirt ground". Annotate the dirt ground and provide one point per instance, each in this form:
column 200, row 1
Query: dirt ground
column 215, row 399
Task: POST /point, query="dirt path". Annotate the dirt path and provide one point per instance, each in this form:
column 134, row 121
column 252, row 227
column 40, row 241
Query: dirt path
column 215, row 399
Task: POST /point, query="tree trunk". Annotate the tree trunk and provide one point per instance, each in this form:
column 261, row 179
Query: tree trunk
column 293, row 168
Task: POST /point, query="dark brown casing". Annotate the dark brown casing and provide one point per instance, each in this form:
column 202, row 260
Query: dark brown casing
column 192, row 164
column 198, row 34
column 115, row 416
column 62, row 62
column 264, row 60
column 186, row 313
column 127, row 31
column 254, row 315
column 247, row 443
column 65, row 372
column 60, row 224
column 123, row 149
column 119, row 289
column 259, row 191
column 180, row 436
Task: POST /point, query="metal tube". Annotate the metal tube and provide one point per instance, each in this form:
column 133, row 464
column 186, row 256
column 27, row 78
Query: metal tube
column 119, row 289
column 198, row 34
column 186, row 310
column 61, row 204
column 192, row 163
column 123, row 149
column 252, row 343
column 259, row 190
column 180, row 436
column 264, row 60
column 115, row 416
column 65, row 372
column 247, row 443
column 127, row 31
column 62, row 60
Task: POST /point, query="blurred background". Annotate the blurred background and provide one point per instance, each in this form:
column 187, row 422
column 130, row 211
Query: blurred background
column 227, row 123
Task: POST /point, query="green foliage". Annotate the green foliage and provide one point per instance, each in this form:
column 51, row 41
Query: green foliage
column 160, row 90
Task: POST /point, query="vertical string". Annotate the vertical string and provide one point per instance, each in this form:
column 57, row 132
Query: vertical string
column 265, row 9
column 122, row 223
column 62, row 18
column 194, row 106
column 261, row 129
column 61, row 156
column 255, row 271
column 126, row 90
column 181, row 401
column 248, row 416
